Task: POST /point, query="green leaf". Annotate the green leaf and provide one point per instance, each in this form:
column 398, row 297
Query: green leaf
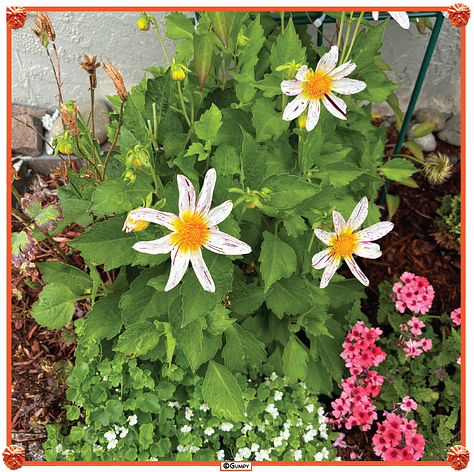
column 203, row 49
column 279, row 157
column 138, row 339
column 78, row 281
column 157, row 96
column 289, row 296
column 392, row 100
column 225, row 160
column 196, row 148
column 73, row 413
column 423, row 129
column 149, row 402
column 44, row 218
column 318, row 378
column 339, row 173
column 398, row 169
column 55, row 307
column 218, row 320
column 99, row 414
column 246, row 299
column 220, row 25
column 415, row 149
column 231, row 121
column 242, row 351
column 179, row 26
column 114, row 409
column 104, row 320
column 165, row 390
column 277, row 259
column 23, row 247
column 253, row 161
column 76, row 433
column 267, row 122
column 378, row 86
column 409, row 182
column 271, row 84
column 197, row 302
column 393, row 201
column 295, row 225
column 295, row 360
column 74, row 205
column 209, row 124
column 222, row 393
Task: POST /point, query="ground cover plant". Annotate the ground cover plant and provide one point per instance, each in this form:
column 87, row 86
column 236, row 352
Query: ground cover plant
column 214, row 235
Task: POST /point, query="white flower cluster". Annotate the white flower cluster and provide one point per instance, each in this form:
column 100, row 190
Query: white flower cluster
column 226, row 426
column 132, row 420
column 189, row 413
column 272, row 409
column 323, row 454
column 247, row 427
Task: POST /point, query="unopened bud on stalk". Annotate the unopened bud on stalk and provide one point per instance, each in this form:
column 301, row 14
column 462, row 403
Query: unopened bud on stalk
column 144, row 22
column 291, row 68
column 178, row 71
column 302, row 119
column 65, row 143
column 117, row 78
column 134, row 225
column 138, row 156
column 129, row 174
column 69, row 120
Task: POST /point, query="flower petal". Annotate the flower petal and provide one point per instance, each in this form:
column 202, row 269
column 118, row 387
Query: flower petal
column 295, row 108
column 162, row 218
column 324, row 236
column 313, row 114
column 302, row 73
column 223, row 243
column 187, row 195
column 335, row 106
column 358, row 215
column 355, row 269
column 376, row 231
column 339, row 222
column 329, row 271
column 329, row 60
column 322, row 258
column 157, row 246
column 201, row 271
column 179, row 264
column 342, row 70
column 291, row 87
column 375, row 15
column 348, row 86
column 205, row 197
column 368, row 250
column 401, row 17
column 219, row 213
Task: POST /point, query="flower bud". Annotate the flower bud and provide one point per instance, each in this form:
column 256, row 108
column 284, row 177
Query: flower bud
column 134, row 225
column 130, row 175
column 302, row 119
column 144, row 22
column 177, row 73
column 138, row 156
column 66, row 145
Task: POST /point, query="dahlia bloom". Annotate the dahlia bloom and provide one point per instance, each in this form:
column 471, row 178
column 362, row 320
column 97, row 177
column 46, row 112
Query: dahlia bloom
column 310, row 87
column 196, row 226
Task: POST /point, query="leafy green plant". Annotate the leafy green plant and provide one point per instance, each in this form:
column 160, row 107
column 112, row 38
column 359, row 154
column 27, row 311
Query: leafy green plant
column 447, row 225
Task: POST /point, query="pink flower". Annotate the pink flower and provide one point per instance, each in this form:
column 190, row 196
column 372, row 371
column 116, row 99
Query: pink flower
column 412, row 349
column 417, row 324
column 456, row 316
column 403, row 327
column 392, row 454
column 339, row 441
column 407, row 453
column 426, row 344
column 407, row 277
column 408, row 404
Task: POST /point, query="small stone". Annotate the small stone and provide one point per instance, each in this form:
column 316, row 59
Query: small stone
column 392, row 119
column 386, row 124
column 432, row 116
column 451, row 133
column 427, row 143
column 25, row 140
column 17, row 110
column 100, row 120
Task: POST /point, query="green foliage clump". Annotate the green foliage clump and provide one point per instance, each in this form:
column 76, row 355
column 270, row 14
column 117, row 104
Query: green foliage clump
column 447, row 225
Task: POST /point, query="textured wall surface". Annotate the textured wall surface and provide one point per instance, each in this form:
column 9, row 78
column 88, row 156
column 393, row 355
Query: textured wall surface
column 115, row 36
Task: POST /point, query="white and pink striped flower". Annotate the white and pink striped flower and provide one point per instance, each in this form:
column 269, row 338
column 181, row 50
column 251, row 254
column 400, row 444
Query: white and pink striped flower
column 310, row 87
column 401, row 17
column 345, row 242
column 196, row 226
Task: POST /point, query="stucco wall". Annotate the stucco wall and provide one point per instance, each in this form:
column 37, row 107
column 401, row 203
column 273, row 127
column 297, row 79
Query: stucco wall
column 115, row 36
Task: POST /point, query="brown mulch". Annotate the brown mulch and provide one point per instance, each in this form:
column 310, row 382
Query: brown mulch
column 39, row 355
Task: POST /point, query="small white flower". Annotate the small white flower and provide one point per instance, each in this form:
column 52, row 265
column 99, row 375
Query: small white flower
column 318, row 456
column 287, row 424
column 325, row 452
column 112, row 444
column 274, row 376
column 220, row 455
column 310, row 407
column 209, row 431
column 116, row 428
column 323, row 427
column 267, row 381
column 246, row 427
column 204, row 407
column 277, row 441
column 186, row 429
column 59, row 448
column 299, row 422
column 97, row 448
column 245, row 452
column 109, row 435
column 124, row 432
column 297, row 454
column 337, row 459
column 324, row 434
column 226, row 426
column 67, row 453
column 238, row 457
column 182, row 448
column 132, row 420
column 302, row 384
column 152, row 459
column 321, row 419
column 255, row 447
column 320, row 411
column 285, row 434
column 309, row 436
column 106, row 378
column 278, row 395
column 86, row 427
column 189, row 413
column 194, row 449
column 261, row 428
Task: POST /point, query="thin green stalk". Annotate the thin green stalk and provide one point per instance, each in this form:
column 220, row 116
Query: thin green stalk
column 182, row 104
column 152, row 18
column 31, row 127
column 339, row 36
column 282, row 16
column 353, row 37
column 346, row 41
column 311, row 242
column 58, row 75
column 413, row 158
column 115, row 140
column 15, row 192
column 93, row 128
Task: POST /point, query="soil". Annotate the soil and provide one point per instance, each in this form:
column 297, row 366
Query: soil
column 39, row 356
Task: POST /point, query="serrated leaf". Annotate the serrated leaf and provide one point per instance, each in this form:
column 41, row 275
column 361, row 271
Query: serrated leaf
column 295, row 360
column 55, row 307
column 179, row 26
column 277, row 259
column 253, row 161
column 287, row 48
column 138, row 339
column 44, row 218
column 295, row 225
column 246, row 299
column 392, row 100
column 209, row 124
column 267, row 122
column 225, row 160
column 289, row 296
column 271, row 85
column 157, row 96
column 218, row 320
column 78, row 281
column 196, row 148
column 231, row 121
column 242, row 351
column 408, row 182
column 423, row 129
column 222, row 393
column 398, row 169
column 339, row 173
column 23, row 248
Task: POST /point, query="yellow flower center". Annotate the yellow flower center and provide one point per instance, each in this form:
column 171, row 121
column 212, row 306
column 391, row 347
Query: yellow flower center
column 317, row 85
column 344, row 245
column 191, row 231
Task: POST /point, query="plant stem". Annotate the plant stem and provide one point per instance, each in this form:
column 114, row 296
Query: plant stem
column 282, row 16
column 58, row 75
column 311, row 242
column 339, row 36
column 409, row 157
column 152, row 18
column 31, row 127
column 182, row 104
column 353, row 37
column 346, row 41
column 15, row 192
column 115, row 140
column 317, row 29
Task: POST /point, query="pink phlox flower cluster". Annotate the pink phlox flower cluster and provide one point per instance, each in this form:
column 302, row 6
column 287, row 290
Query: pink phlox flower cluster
column 408, row 404
column 397, row 440
column 417, row 294
column 456, row 316
column 413, row 346
column 355, row 407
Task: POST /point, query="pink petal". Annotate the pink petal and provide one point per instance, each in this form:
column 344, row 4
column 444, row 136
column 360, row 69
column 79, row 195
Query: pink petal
column 205, row 197
column 158, row 246
column 335, row 106
column 401, row 17
column 339, row 222
column 219, row 213
column 348, row 86
column 355, row 269
column 154, row 216
column 329, row 271
column 368, row 250
column 323, row 258
column 295, row 108
column 291, row 87
column 374, row 232
column 179, row 264
column 324, row 236
column 313, row 114
column 359, row 215
column 327, row 63
column 302, row 73
column 375, row 15
column 187, row 196
column 342, row 70
column 201, row 271
column 223, row 243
